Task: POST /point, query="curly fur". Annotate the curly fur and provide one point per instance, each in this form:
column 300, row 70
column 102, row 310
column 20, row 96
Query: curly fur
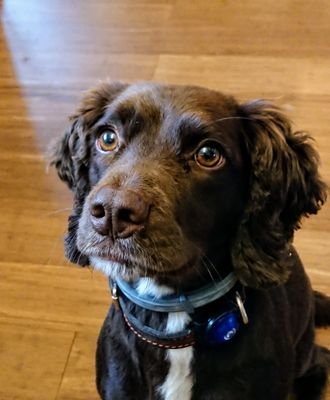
column 284, row 186
column 241, row 218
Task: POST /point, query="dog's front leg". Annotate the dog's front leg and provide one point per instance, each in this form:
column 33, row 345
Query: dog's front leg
column 117, row 371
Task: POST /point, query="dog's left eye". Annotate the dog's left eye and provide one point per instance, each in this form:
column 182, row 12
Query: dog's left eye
column 107, row 141
column 210, row 156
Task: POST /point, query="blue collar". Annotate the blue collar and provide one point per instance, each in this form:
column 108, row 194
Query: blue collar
column 174, row 303
column 214, row 331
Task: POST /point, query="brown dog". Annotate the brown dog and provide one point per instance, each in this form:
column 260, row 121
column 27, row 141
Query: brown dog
column 189, row 202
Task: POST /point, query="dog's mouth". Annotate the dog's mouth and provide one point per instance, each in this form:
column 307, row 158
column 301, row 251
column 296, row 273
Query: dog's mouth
column 188, row 275
column 132, row 267
column 147, row 266
column 141, row 256
column 130, row 259
column 155, row 256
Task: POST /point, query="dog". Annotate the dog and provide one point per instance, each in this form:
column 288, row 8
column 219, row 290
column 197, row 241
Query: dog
column 188, row 201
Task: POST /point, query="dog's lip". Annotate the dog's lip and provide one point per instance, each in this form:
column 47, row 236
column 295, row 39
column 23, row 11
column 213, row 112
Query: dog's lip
column 129, row 262
column 115, row 258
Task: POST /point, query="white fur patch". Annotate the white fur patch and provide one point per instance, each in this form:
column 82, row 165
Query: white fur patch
column 179, row 382
column 109, row 268
column 148, row 287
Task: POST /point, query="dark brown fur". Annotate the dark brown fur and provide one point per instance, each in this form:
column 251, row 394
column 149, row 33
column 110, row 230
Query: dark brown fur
column 202, row 223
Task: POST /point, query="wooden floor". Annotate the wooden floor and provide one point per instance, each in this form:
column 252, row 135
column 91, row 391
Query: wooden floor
column 52, row 50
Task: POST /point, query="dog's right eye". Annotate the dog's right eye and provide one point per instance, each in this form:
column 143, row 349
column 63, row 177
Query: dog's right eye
column 210, row 156
column 107, row 141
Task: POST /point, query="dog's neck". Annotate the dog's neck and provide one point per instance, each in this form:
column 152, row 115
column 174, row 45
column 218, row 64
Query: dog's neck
column 146, row 294
column 211, row 309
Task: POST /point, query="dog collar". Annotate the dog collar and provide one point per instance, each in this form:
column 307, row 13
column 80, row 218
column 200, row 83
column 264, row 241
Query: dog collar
column 217, row 329
column 175, row 303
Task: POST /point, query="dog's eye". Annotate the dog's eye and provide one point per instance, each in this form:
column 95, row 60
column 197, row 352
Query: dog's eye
column 107, row 141
column 209, row 156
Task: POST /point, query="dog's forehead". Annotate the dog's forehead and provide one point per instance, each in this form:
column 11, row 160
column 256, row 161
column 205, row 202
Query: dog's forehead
column 174, row 99
column 175, row 113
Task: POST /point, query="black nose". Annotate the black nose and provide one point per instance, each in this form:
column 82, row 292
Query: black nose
column 118, row 213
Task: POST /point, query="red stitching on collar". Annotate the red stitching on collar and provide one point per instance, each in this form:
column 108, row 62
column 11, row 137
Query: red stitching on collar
column 184, row 344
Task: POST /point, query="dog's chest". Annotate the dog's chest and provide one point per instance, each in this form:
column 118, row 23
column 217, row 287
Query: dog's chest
column 178, row 382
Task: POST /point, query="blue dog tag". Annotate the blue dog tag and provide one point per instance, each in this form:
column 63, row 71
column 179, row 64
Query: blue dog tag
column 222, row 329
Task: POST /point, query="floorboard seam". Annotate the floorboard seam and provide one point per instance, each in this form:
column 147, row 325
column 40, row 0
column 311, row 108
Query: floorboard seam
column 66, row 365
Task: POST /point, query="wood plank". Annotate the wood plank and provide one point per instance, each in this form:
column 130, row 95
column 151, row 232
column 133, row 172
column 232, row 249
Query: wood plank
column 271, row 76
column 31, row 363
column 180, row 27
column 71, row 295
column 78, row 381
column 240, row 27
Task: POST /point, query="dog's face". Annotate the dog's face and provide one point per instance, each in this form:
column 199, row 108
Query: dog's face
column 184, row 184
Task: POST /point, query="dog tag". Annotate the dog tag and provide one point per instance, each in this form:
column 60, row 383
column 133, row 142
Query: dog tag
column 242, row 310
column 223, row 328
column 114, row 295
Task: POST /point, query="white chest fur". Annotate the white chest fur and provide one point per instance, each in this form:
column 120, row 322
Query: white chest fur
column 178, row 382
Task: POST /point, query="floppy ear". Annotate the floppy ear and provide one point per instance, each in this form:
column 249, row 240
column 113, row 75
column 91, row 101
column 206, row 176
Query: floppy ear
column 284, row 186
column 71, row 154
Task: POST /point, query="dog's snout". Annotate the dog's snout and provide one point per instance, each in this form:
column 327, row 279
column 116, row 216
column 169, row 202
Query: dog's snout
column 118, row 213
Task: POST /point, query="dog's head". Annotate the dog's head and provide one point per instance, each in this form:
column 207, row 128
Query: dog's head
column 184, row 183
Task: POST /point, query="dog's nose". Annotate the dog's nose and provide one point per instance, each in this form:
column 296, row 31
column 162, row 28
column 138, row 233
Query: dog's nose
column 118, row 213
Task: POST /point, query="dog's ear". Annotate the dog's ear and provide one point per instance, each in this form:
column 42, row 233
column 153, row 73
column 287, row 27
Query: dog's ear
column 71, row 155
column 284, row 186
